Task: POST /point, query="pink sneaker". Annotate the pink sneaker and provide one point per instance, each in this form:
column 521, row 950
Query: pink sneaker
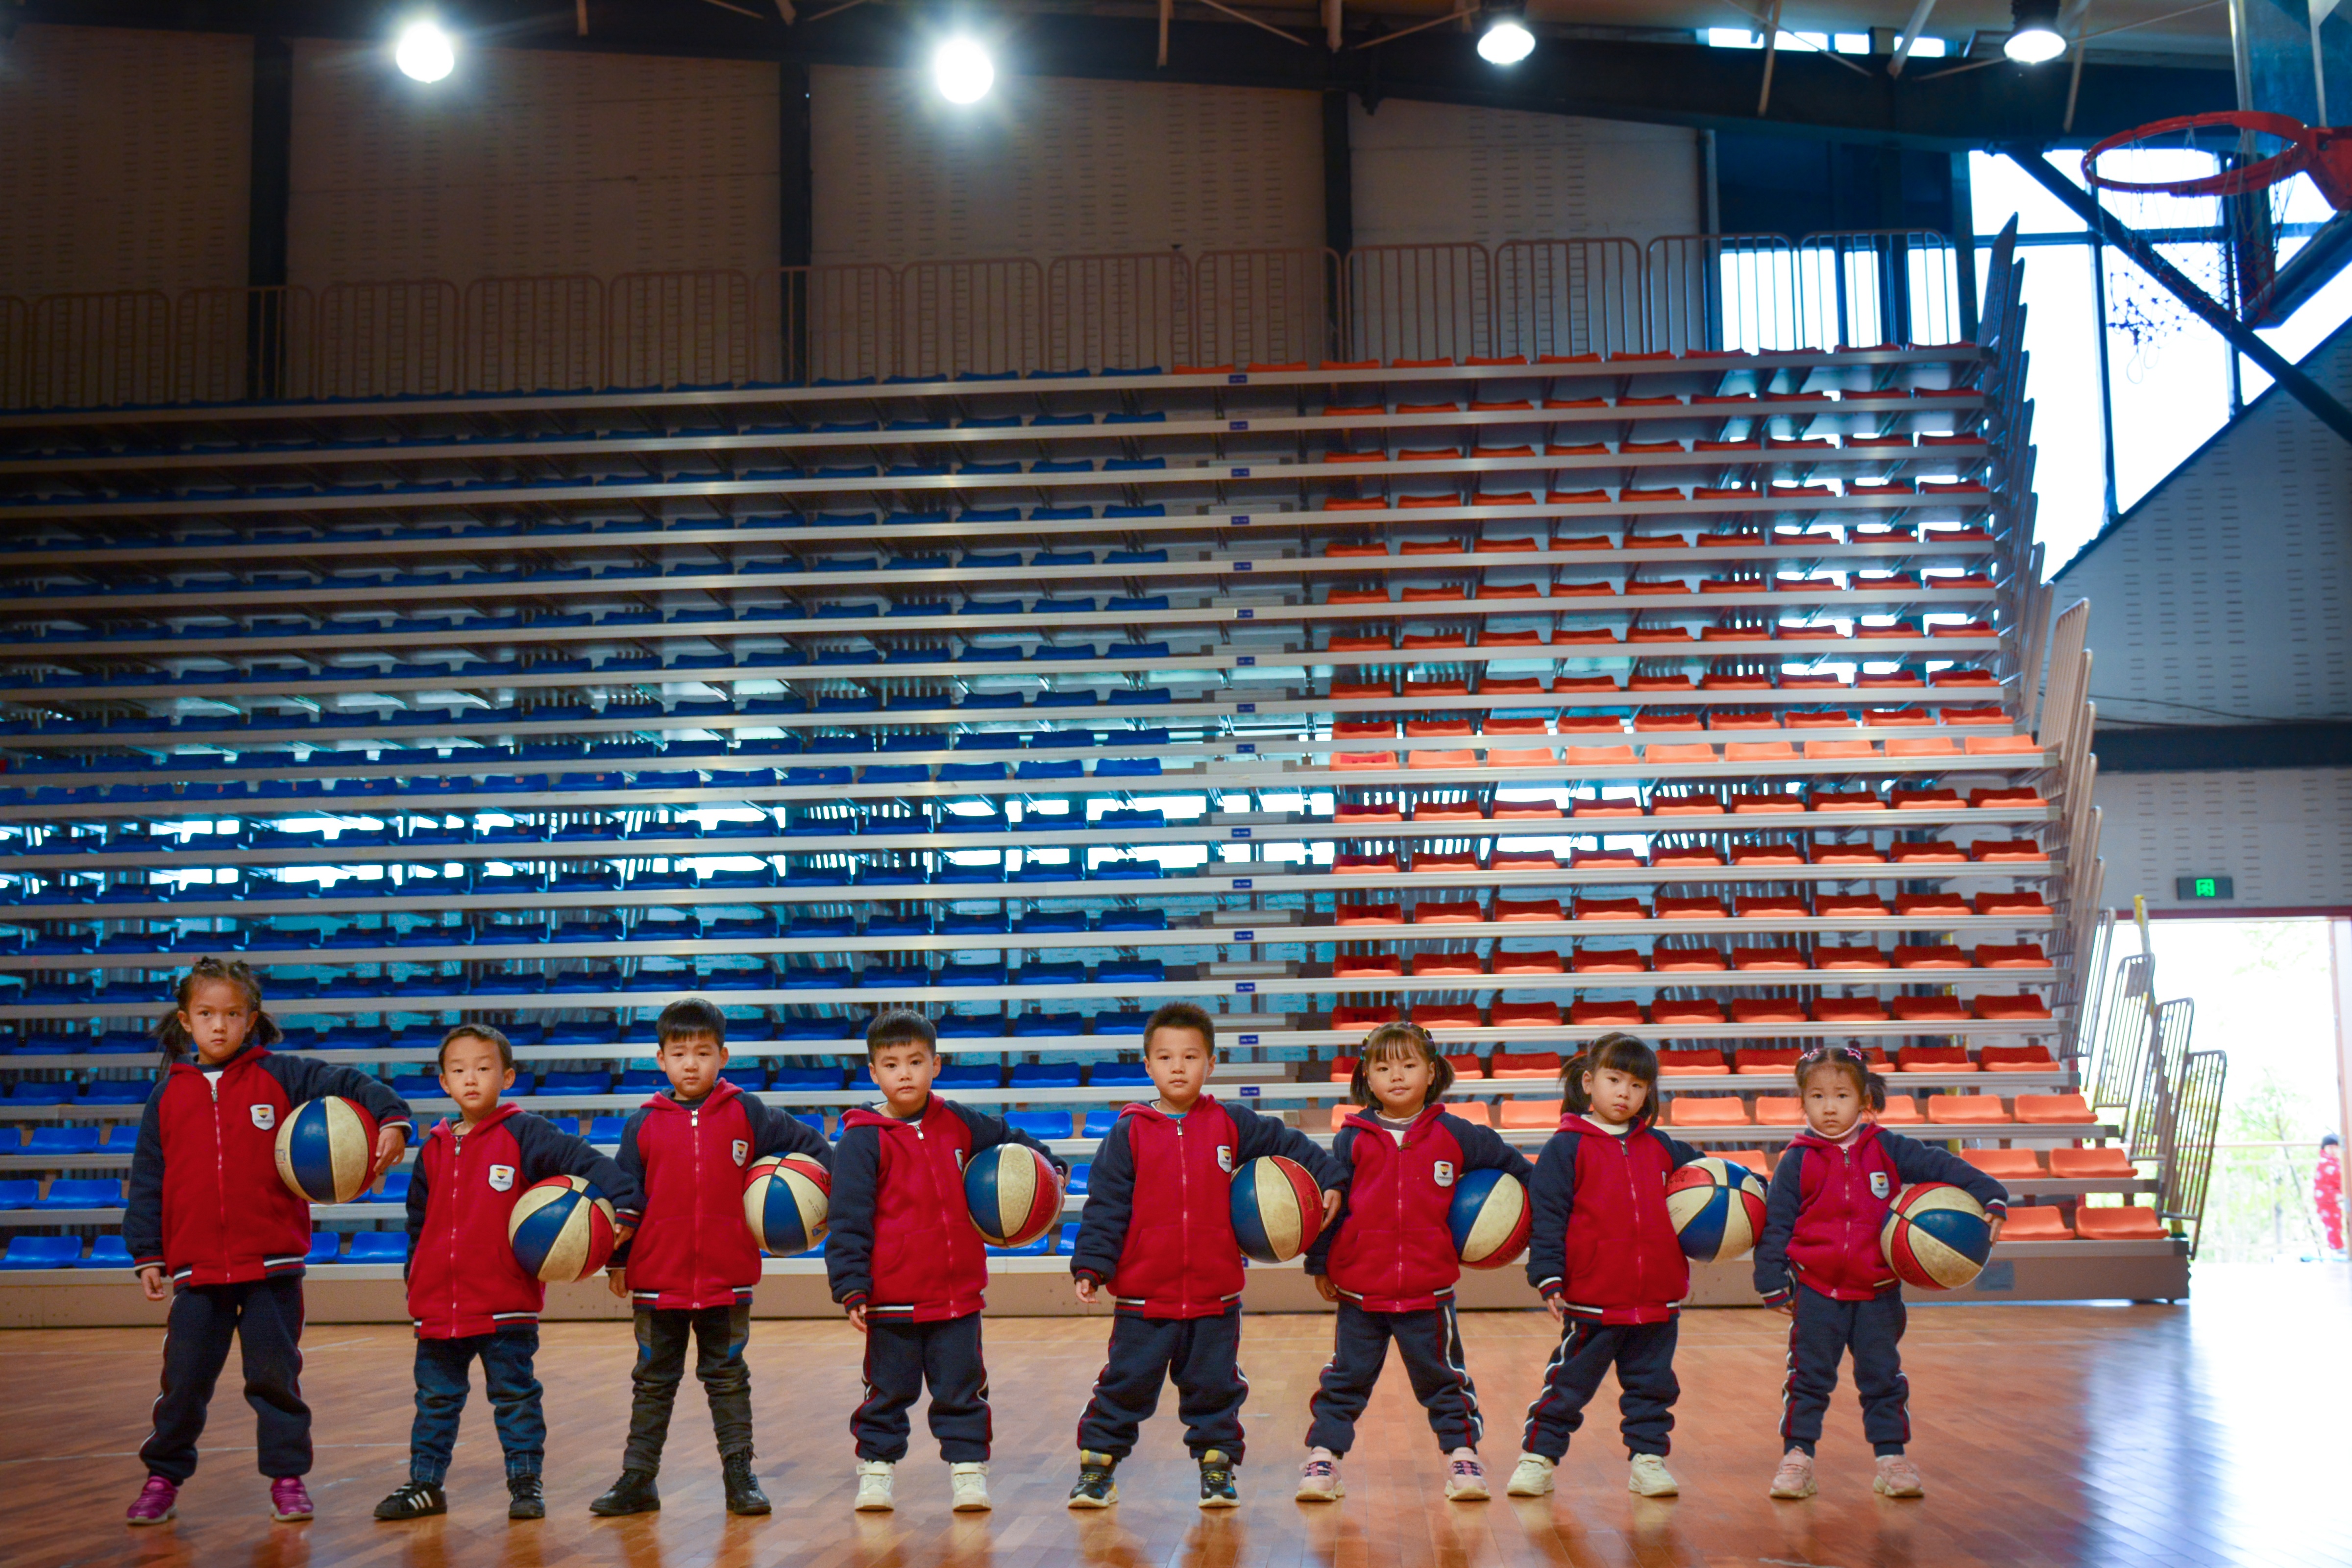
column 289, row 1499
column 159, row 1499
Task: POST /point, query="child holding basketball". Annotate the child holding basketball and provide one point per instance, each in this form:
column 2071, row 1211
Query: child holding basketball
column 467, row 1294
column 1390, row 1260
column 1157, row 1237
column 691, row 1268
column 1819, row 1261
column 908, row 1265
column 209, row 1208
column 1605, row 1257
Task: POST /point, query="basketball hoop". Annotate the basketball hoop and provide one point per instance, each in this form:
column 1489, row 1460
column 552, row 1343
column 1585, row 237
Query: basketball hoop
column 2323, row 152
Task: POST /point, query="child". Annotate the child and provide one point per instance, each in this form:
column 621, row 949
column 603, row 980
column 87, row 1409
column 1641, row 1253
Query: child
column 1157, row 1235
column 1605, row 1256
column 207, row 1207
column 1389, row 1260
column 691, row 1266
column 908, row 1265
column 467, row 1294
column 1819, row 1262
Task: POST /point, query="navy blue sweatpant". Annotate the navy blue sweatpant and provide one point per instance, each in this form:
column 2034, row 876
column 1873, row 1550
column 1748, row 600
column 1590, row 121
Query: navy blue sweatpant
column 1824, row 1329
column 900, row 1358
column 265, row 1316
column 1643, row 1355
column 1201, row 1355
column 1430, row 1343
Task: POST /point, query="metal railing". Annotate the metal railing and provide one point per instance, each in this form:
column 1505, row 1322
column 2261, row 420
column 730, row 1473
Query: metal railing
column 722, row 327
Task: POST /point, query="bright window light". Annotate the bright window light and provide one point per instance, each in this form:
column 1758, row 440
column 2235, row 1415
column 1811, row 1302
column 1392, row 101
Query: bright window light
column 963, row 71
column 1928, row 48
column 424, row 52
column 1730, row 38
column 1851, row 43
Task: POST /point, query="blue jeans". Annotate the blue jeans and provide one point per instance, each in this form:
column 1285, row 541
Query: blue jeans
column 441, row 1389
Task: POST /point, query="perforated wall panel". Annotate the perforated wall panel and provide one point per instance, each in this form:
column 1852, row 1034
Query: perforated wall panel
column 123, row 160
column 530, row 162
column 1430, row 172
column 2222, row 596
column 1052, row 166
column 2283, row 836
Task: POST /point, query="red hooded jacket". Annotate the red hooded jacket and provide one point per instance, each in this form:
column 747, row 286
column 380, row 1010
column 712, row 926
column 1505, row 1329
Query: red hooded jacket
column 902, row 1243
column 1392, row 1249
column 1602, row 1238
column 1827, row 1204
column 1158, row 1227
column 223, row 1216
column 695, row 1249
column 463, row 1279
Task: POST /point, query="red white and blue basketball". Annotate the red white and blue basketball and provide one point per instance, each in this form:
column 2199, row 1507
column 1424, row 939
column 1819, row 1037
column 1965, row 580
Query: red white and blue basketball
column 1277, row 1208
column 1015, row 1197
column 1935, row 1237
column 325, row 1147
column 1490, row 1216
column 561, row 1229
column 786, row 1198
column 1718, row 1209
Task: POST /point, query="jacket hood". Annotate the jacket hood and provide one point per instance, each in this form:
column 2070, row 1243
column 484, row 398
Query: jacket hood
column 446, row 1128
column 866, row 1116
column 720, row 1093
column 1362, row 1117
column 192, row 1063
column 1867, row 1132
column 1579, row 1122
column 1145, row 1108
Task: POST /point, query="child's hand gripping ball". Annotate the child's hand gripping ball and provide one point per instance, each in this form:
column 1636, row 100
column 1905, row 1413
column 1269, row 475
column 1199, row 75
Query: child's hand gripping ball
column 1935, row 1237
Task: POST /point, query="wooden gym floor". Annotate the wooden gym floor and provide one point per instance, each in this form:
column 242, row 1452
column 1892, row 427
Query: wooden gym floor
column 2048, row 1436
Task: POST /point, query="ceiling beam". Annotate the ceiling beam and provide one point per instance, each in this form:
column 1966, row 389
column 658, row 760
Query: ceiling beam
column 1656, row 83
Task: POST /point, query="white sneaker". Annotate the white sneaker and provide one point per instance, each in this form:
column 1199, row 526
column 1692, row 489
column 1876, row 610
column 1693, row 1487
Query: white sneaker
column 1319, row 1477
column 1466, row 1477
column 970, row 1483
column 1649, row 1479
column 1531, row 1477
column 874, row 1486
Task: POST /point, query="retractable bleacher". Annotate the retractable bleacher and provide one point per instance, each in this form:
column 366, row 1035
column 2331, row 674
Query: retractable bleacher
column 1698, row 694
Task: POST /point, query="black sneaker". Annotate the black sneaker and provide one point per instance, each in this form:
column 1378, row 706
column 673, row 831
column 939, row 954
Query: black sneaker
column 632, row 1493
column 417, row 1499
column 743, row 1493
column 527, row 1500
column 1217, row 1489
column 1098, row 1482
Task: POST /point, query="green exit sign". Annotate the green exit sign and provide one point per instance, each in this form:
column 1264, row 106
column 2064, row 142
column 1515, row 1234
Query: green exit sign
column 2203, row 888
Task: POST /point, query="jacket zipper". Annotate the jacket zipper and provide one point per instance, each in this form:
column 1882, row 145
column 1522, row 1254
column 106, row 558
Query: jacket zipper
column 1183, row 1207
column 220, row 1168
column 694, row 1246
column 457, row 1147
column 1397, row 1287
column 1634, row 1210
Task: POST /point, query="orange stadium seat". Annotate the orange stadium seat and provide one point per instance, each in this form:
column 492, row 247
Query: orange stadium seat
column 2054, row 1110
column 2021, row 1005
column 1687, row 1110
column 1689, row 1063
column 2008, row 1163
column 1849, row 1010
column 1606, row 961
column 1776, row 1064
column 1428, row 964
column 1971, row 1109
column 1526, row 1015
column 1605, row 1014
column 1528, row 963
column 2036, row 1222
column 1902, row 1111
column 1686, row 1010
column 1768, row 1010
column 1780, row 1111
column 2129, row 1223
column 1446, row 1016
column 2093, row 1164
column 1466, row 1065
column 1754, row 1159
column 1523, row 1065
column 2016, row 1058
column 1933, row 1059
column 1517, row 1113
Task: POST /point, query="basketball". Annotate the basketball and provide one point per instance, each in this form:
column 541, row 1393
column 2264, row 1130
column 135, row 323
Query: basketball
column 1935, row 1237
column 1718, row 1209
column 561, row 1229
column 786, row 1198
column 1277, row 1208
column 1490, row 1216
column 325, row 1147
column 1015, row 1197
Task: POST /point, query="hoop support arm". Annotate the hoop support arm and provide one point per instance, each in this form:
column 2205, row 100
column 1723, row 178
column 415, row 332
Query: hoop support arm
column 2242, row 338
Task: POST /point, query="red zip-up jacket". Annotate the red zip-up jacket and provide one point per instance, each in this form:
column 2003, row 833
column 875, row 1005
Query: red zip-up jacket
column 1158, row 1227
column 1391, row 1247
column 463, row 1279
column 694, row 1248
column 1826, row 1206
column 224, row 1216
column 902, row 1243
column 1602, row 1238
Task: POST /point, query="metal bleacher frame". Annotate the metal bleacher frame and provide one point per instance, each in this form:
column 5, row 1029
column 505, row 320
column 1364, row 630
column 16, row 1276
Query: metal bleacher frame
column 384, row 693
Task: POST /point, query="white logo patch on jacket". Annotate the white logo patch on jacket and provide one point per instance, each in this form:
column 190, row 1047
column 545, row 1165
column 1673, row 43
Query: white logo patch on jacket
column 1879, row 1184
column 502, row 1178
column 741, row 1148
column 1443, row 1171
column 263, row 1116
column 1225, row 1158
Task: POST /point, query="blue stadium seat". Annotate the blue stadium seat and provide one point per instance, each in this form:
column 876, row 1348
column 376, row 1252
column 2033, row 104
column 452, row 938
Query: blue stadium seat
column 416, row 1086
column 1122, row 1023
column 1078, row 1175
column 605, row 1129
column 1123, row 1075
column 63, row 1140
column 817, row 1078
column 526, row 1084
column 1045, row 1075
column 812, row 1120
column 43, row 1252
column 379, row 1246
column 20, row 1193
column 968, row 1076
column 752, row 1079
column 1036, row 1025
column 1040, row 1123
column 1097, row 1124
column 106, row 1252
column 648, row 1080
column 1133, row 920
column 326, row 1246
column 1068, row 1241
column 1041, row 922
column 1037, row 1249
column 83, row 1193
column 576, row 1083
column 1132, row 972
column 395, row 1190
column 41, row 1094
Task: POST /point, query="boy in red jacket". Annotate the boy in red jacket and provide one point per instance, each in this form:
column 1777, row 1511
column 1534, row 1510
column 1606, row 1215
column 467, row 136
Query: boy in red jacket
column 1389, row 1261
column 1157, row 1235
column 908, row 1264
column 1605, row 1256
column 691, row 1268
column 468, row 1295
column 1819, row 1261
